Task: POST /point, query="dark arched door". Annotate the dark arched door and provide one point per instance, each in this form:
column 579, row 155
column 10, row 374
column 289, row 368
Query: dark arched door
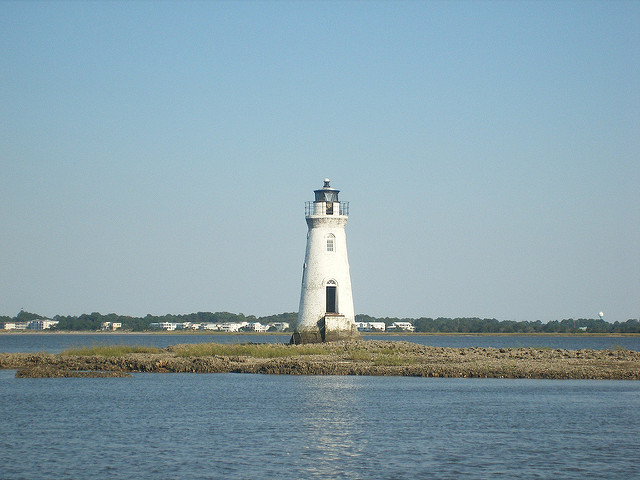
column 331, row 299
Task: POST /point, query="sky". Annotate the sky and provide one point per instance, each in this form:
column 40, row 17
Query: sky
column 155, row 157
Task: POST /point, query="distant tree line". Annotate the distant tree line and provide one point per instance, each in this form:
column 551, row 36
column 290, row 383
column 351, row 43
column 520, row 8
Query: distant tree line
column 93, row 321
column 491, row 325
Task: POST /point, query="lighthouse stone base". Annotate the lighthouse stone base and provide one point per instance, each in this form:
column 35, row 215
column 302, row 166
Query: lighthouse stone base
column 330, row 328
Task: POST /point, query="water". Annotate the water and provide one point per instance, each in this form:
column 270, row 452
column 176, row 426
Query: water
column 57, row 342
column 290, row 427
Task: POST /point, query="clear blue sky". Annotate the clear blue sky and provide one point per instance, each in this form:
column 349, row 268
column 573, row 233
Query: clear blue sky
column 156, row 157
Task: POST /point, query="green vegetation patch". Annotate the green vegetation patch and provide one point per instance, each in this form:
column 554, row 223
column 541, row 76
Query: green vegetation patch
column 392, row 361
column 110, row 350
column 261, row 350
column 388, row 350
column 380, row 354
column 360, row 355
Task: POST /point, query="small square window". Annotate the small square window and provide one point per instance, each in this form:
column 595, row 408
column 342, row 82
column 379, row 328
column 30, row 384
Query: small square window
column 329, row 244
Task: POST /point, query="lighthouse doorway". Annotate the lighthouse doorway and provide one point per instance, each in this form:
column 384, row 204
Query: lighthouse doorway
column 331, row 299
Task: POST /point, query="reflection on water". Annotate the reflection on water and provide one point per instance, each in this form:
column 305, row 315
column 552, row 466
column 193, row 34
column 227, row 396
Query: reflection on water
column 327, row 412
column 237, row 426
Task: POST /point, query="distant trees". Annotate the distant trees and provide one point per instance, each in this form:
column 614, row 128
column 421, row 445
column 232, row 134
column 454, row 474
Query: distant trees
column 83, row 322
column 491, row 325
column 23, row 316
column 290, row 317
column 630, row 326
column 93, row 321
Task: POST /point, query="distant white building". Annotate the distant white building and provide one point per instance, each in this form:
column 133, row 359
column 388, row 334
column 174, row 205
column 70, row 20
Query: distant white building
column 187, row 326
column 371, row 326
column 233, row 327
column 41, row 324
column 258, row 327
column 279, row 326
column 209, row 326
column 111, row 326
column 37, row 324
column 406, row 326
column 163, row 326
column 16, row 325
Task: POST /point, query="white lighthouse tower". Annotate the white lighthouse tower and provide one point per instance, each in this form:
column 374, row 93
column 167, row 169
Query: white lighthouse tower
column 326, row 302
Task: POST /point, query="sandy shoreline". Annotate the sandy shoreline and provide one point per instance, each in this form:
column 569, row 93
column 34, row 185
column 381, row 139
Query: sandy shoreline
column 368, row 357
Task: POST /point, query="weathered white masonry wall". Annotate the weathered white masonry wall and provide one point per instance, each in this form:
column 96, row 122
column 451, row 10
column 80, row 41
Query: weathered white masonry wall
column 326, row 302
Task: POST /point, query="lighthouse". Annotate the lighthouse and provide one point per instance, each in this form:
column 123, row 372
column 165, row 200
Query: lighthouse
column 326, row 302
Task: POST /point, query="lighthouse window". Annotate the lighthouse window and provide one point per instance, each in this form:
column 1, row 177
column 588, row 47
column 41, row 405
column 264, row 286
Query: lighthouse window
column 329, row 208
column 330, row 243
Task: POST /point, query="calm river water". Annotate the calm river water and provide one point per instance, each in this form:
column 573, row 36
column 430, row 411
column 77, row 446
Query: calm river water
column 159, row 426
column 233, row 426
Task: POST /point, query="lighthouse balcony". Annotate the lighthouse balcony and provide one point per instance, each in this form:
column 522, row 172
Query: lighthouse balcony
column 326, row 208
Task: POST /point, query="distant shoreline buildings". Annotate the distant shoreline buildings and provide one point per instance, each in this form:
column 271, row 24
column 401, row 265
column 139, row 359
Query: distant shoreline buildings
column 228, row 322
column 37, row 324
column 382, row 327
column 46, row 324
column 221, row 327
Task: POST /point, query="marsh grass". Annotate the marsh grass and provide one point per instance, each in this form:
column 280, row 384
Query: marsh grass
column 109, row 350
column 387, row 351
column 389, row 361
column 382, row 356
column 360, row 355
column 262, row 350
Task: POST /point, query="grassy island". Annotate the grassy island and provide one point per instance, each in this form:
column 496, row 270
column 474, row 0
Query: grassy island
column 368, row 357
